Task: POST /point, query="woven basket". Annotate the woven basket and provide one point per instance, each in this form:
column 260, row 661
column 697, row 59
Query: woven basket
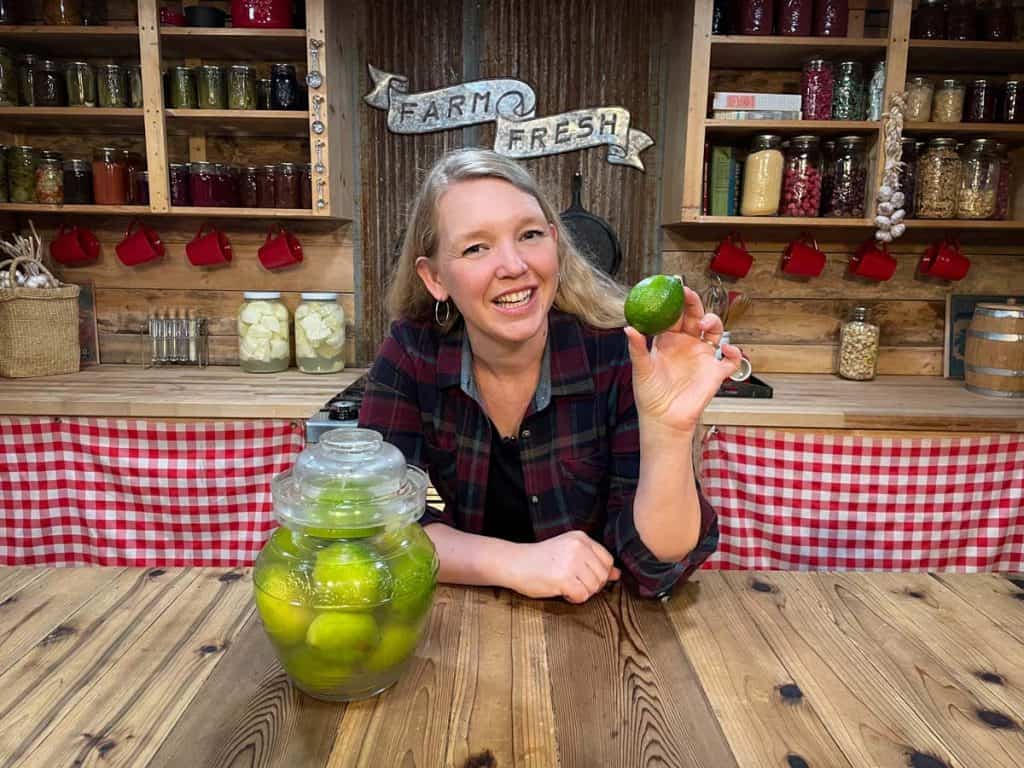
column 38, row 328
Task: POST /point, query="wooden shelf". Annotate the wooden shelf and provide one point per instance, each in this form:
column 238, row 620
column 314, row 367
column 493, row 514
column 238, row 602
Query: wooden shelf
column 287, row 45
column 245, row 213
column 976, row 224
column 794, row 127
column 1007, row 132
column 238, row 122
column 795, row 222
column 141, row 210
column 66, row 42
column 965, row 56
column 40, row 208
column 71, row 120
column 774, row 52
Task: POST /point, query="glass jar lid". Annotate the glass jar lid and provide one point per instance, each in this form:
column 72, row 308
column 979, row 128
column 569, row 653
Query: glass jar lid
column 850, row 141
column 942, row 142
column 47, row 65
column 49, row 154
column 949, row 83
column 765, row 141
column 319, row 296
column 804, row 142
column 918, row 80
column 78, row 164
column 860, row 313
column 110, row 67
column 209, row 68
column 850, row 67
column 982, row 146
column 282, row 69
column 262, row 295
column 287, row 167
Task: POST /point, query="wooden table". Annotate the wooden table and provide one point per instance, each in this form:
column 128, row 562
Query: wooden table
column 129, row 667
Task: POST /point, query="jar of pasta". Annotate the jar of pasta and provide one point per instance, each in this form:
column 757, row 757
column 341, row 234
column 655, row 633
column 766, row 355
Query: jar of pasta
column 263, row 345
column 762, row 177
column 919, row 99
column 319, row 334
column 979, row 180
column 858, row 346
column 938, row 180
column 948, row 104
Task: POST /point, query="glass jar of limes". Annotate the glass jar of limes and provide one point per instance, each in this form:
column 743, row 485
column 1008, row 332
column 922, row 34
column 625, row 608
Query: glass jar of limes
column 344, row 587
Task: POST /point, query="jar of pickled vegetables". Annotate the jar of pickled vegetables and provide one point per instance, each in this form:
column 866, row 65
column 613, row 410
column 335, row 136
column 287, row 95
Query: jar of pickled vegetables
column 938, row 179
column 263, row 333
column 979, row 181
column 816, row 88
column 26, row 79
column 80, row 81
column 21, row 174
column 848, row 92
column 134, row 85
column 183, row 88
column 109, row 176
column 77, row 181
column 319, row 334
column 8, row 80
column 345, row 586
column 211, row 88
column 263, row 88
column 948, row 104
column 762, row 177
column 50, row 178
column 48, row 85
column 241, row 87
column 919, row 99
column 284, row 90
column 111, row 86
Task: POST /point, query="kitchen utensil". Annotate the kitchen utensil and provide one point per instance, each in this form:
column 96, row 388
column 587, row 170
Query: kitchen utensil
column 593, row 236
column 313, row 78
column 317, row 126
column 872, row 261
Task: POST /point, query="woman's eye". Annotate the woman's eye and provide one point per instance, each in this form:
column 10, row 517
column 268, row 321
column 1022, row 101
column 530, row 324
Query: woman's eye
column 473, row 250
column 533, row 234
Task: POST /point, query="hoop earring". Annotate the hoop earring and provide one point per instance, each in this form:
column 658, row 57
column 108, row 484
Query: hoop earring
column 447, row 312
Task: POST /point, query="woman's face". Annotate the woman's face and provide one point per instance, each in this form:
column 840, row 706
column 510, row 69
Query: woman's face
column 497, row 260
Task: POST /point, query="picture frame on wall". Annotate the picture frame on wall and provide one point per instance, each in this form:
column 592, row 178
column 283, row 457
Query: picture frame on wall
column 959, row 311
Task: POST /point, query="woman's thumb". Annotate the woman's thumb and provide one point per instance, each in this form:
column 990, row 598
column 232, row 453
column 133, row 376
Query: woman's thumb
column 638, row 352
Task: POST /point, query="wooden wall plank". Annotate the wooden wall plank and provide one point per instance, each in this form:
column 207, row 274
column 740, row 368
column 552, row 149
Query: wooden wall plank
column 807, row 358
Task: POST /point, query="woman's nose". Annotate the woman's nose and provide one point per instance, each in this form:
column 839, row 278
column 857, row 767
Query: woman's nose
column 511, row 262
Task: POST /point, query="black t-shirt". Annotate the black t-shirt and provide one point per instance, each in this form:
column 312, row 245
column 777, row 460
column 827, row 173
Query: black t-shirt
column 506, row 510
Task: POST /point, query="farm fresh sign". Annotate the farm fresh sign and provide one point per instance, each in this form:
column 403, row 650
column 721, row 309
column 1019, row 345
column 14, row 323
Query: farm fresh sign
column 511, row 104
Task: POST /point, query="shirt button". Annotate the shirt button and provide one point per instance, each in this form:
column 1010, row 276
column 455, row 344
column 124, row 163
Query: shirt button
column 526, row 434
column 534, row 500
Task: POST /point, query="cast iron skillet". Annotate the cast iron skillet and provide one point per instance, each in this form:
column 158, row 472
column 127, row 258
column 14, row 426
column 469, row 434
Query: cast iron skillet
column 593, row 235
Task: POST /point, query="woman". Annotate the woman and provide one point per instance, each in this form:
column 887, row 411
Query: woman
column 560, row 444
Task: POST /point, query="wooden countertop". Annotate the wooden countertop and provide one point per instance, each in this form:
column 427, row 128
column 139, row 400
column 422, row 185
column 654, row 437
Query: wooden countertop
column 134, row 667
column 216, row 392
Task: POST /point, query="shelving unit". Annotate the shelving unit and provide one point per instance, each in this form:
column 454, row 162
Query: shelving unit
column 974, row 56
column 235, row 122
column 104, row 41
column 789, row 127
column 233, row 44
column 78, row 119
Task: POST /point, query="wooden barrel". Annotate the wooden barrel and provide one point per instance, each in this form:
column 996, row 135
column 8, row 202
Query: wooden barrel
column 994, row 357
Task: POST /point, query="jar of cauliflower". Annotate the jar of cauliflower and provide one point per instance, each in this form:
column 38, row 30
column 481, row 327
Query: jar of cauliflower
column 319, row 334
column 263, row 324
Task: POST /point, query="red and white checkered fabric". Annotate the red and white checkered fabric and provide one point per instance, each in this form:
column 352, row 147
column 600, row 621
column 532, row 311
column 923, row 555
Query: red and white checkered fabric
column 805, row 501
column 138, row 493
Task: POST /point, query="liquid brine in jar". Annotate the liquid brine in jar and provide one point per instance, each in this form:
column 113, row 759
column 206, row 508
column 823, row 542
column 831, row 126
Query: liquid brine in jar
column 263, row 333
column 319, row 334
column 762, row 177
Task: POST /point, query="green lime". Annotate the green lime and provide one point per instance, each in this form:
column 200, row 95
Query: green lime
column 397, row 642
column 289, row 544
column 282, row 599
column 412, row 561
column 350, row 575
column 314, row 672
column 343, row 511
column 343, row 637
column 655, row 303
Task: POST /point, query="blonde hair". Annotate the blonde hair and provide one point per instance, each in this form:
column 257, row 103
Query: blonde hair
column 583, row 289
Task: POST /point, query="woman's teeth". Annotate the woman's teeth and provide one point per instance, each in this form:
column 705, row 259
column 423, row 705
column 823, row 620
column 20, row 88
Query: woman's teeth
column 514, row 299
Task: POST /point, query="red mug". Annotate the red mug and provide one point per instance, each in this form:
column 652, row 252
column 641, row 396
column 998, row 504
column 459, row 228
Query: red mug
column 924, row 266
column 208, row 248
column 872, row 261
column 280, row 250
column 803, row 258
column 732, row 257
column 276, row 14
column 948, row 262
column 74, row 246
column 139, row 245
column 171, row 17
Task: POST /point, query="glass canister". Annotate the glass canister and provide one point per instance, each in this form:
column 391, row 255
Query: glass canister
column 816, row 90
column 762, row 177
column 78, row 181
column 263, row 333
column 178, row 178
column 3, row 173
column 201, row 181
column 21, row 174
column 849, row 179
column 141, row 187
column 134, row 86
column 1013, row 102
column 265, row 186
column 981, row 102
column 263, row 89
column 241, row 87
column 1018, row 20
column 26, row 80
column 48, row 85
column 831, row 18
column 210, row 87
column 248, row 191
column 109, row 176
column 8, row 80
column 876, row 92
column 929, row 20
column 938, row 180
column 907, row 176
column 720, row 17
column 80, row 81
column 50, row 178
column 961, row 20
column 755, row 17
column 62, row 12
column 920, row 92
column 795, row 17
column 979, row 180
column 306, row 186
column 183, row 88
column 345, row 586
column 111, row 86
column 997, row 21
column 284, row 90
column 319, row 334
column 286, row 186
column 1004, row 184
column 948, row 104
column 801, row 178
column 134, row 165
column 858, row 346
column 848, row 92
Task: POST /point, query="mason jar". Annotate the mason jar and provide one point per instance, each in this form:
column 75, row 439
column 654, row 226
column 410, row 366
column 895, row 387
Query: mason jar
column 48, row 85
column 135, row 100
column 858, row 346
column 762, row 177
column 319, row 334
column 263, row 335
column 111, row 86
column 907, row 175
column 50, row 178
column 284, row 89
column 182, row 88
column 241, row 87
column 979, row 180
column 948, row 104
column 816, row 88
column 21, row 174
column 938, row 180
column 8, row 80
column 981, row 102
column 961, row 20
column 876, row 92
column 848, row 92
column 849, row 179
column 80, row 80
column 929, row 20
column 801, row 178
column 26, row 79
column 1004, row 185
column 920, row 93
column 78, row 181
column 3, row 173
column 109, row 176
column 210, row 87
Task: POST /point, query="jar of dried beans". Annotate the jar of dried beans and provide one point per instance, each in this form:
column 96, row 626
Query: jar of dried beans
column 858, row 346
column 938, row 179
column 979, row 180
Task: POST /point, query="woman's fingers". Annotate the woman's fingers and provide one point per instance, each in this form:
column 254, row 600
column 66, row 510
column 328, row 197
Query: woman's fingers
column 711, row 328
column 693, row 311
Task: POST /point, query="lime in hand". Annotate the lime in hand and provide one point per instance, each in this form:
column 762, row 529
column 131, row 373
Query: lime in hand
column 655, row 303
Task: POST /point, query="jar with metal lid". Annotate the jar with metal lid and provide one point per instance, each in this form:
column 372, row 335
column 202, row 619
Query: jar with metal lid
column 183, row 88
column 263, row 89
column 858, row 346
column 979, row 180
column 26, row 79
column 938, row 180
column 919, row 100
column 21, row 174
column 286, row 186
column 211, row 88
column 876, row 92
column 141, row 187
column 134, row 86
column 265, row 175
column 48, row 84
column 755, row 17
column 720, row 17
column 981, row 102
column 284, row 90
column 795, row 17
column 178, row 178
column 848, row 92
column 948, row 104
column 80, row 82
column 50, row 179
column 801, row 178
column 62, row 12
column 345, row 587
column 263, row 334
column 111, row 86
column 134, row 164
column 3, row 173
column 849, row 179
column 907, row 176
column 961, row 20
column 306, row 186
column 929, row 20
column 997, row 21
column 233, row 187
column 831, row 18
column 248, row 190
column 1004, row 184
column 8, row 80
column 816, row 86
column 201, row 181
column 319, row 334
column 77, row 181
column 241, row 87
column 762, row 177
column 1013, row 102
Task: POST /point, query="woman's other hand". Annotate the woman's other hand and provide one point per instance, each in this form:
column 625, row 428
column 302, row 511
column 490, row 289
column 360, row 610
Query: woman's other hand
column 571, row 565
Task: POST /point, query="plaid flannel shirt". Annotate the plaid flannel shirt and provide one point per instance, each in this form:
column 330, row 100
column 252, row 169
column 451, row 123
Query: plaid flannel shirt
column 579, row 440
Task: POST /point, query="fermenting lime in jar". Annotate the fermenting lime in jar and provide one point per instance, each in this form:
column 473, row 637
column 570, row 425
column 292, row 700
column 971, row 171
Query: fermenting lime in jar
column 263, row 333
column 319, row 334
column 345, row 586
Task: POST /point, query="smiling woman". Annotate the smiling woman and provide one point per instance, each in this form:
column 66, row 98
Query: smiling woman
column 559, row 442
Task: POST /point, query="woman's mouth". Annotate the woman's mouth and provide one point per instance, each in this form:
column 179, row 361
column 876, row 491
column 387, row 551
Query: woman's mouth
column 514, row 299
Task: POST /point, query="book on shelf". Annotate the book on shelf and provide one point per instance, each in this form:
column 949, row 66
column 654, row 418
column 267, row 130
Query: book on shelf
column 725, row 180
column 782, row 102
column 755, row 114
column 705, row 182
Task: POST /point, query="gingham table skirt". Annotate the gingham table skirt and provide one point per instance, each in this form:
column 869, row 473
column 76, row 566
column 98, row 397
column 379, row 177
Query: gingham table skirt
column 806, row 501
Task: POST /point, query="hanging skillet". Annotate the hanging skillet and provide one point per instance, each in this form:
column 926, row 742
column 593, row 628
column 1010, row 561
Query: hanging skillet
column 593, row 235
